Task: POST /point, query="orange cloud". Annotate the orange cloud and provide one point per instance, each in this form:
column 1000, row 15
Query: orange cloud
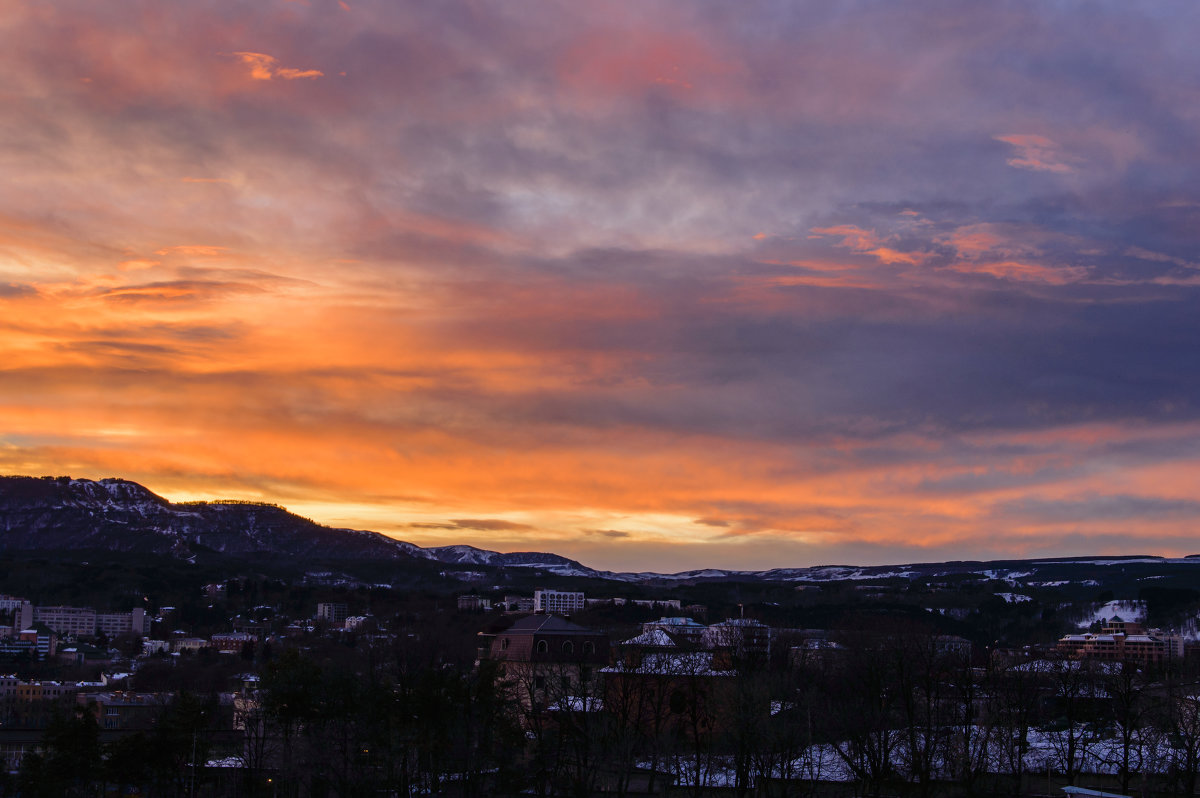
column 1024, row 272
column 853, row 236
column 266, row 67
column 869, row 243
column 192, row 249
column 1036, row 153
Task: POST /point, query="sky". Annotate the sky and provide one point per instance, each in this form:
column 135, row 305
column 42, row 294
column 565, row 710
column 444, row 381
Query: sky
column 653, row 285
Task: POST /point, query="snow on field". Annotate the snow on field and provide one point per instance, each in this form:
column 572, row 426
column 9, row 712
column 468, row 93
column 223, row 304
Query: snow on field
column 831, row 762
column 1125, row 610
column 1014, row 598
column 1005, row 575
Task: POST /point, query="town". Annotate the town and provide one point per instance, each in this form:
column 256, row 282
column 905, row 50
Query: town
column 247, row 691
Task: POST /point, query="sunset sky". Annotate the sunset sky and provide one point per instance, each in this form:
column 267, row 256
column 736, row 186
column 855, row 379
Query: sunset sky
column 653, row 285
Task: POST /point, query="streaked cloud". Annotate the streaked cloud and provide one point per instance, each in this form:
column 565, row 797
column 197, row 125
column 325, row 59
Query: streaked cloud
column 266, row 67
column 1036, row 153
column 667, row 285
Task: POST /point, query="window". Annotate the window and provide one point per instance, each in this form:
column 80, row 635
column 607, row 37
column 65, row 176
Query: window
column 542, row 646
column 678, row 701
column 568, row 647
column 589, row 647
column 504, row 644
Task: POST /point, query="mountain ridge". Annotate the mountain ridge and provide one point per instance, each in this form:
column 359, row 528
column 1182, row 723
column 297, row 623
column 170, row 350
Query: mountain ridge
column 62, row 514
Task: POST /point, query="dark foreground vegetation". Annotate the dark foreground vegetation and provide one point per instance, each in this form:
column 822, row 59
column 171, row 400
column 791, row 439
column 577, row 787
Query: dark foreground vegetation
column 901, row 687
column 873, row 711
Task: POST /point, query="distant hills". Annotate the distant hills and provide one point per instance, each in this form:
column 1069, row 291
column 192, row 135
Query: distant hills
column 60, row 514
column 64, row 514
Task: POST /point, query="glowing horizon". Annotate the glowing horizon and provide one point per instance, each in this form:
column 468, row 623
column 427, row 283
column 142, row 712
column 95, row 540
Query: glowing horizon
column 655, row 287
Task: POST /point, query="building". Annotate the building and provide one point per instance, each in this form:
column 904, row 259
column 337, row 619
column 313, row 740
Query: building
column 518, row 603
column 546, row 660
column 473, row 603
column 233, row 642
column 150, row 647
column 181, row 645
column 558, row 602
column 115, row 624
column 666, row 604
column 663, row 688
column 746, row 639
column 78, row 621
column 332, row 612
column 44, row 642
column 685, row 631
column 1122, row 641
column 86, row 622
column 21, row 610
column 120, row 709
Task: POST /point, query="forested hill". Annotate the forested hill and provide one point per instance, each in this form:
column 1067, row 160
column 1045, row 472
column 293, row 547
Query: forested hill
column 55, row 514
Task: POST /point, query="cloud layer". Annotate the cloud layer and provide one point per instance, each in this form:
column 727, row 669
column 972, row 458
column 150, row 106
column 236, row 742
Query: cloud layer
column 663, row 285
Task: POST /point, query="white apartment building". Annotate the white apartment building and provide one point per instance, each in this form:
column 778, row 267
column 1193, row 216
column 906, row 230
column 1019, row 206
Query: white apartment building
column 79, row 621
column 86, row 622
column 558, row 602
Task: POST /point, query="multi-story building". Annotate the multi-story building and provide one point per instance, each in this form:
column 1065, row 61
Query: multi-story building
column 1123, row 641
column 518, row 603
column 332, row 612
column 45, row 691
column 79, row 621
column 745, row 638
column 233, row 642
column 126, row 710
column 666, row 604
column 12, row 687
column 558, row 602
column 661, row 687
column 43, row 641
column 86, row 622
column 114, row 624
column 546, row 659
column 189, row 644
column 473, row 603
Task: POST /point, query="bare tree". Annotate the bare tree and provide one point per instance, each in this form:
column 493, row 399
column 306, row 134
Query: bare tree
column 1074, row 730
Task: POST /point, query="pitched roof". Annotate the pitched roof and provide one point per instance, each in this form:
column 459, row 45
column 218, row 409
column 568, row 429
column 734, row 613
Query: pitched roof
column 545, row 624
column 655, row 638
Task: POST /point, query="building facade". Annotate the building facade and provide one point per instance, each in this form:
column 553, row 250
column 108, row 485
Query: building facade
column 332, row 612
column 547, row 660
column 558, row 602
column 1123, row 641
